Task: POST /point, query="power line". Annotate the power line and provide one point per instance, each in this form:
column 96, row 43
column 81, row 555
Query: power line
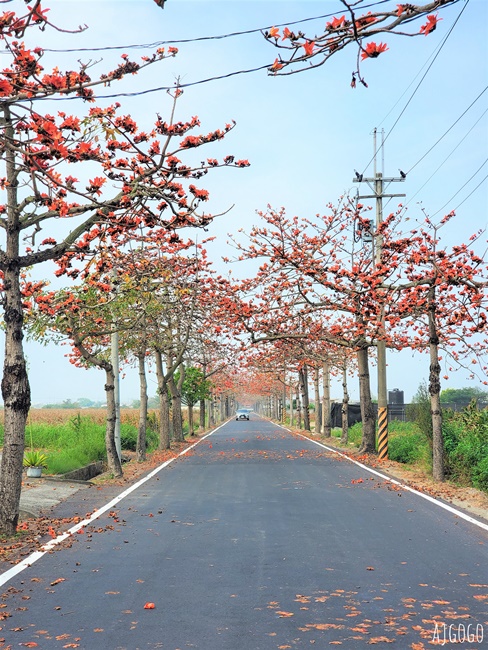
column 449, row 129
column 421, row 80
column 447, row 157
column 157, row 89
column 471, row 193
column 461, row 188
column 204, row 38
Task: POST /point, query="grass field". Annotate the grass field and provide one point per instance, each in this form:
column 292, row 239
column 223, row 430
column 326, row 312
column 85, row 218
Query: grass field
column 72, row 438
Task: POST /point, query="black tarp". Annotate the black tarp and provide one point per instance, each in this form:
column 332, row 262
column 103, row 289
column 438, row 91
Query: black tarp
column 353, row 414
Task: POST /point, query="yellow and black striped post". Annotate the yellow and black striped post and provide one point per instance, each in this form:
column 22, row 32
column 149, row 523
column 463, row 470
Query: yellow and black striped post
column 383, row 433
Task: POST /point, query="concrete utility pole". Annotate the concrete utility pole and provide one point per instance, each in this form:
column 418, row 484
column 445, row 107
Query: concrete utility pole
column 377, row 185
column 114, row 359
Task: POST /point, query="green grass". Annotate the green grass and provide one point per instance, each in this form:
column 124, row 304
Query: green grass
column 77, row 442
column 68, row 446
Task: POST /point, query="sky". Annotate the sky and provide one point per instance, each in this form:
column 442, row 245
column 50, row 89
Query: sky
column 304, row 134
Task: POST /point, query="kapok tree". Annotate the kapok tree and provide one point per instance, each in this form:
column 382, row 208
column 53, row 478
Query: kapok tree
column 312, row 267
column 137, row 181
column 86, row 316
column 145, row 275
column 440, row 306
column 299, row 52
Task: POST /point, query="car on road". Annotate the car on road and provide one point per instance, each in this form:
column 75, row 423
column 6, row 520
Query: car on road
column 242, row 414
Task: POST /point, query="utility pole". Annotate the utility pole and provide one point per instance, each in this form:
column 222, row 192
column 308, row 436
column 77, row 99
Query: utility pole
column 114, row 358
column 377, row 185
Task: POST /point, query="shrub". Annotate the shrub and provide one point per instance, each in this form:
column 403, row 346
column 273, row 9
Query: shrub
column 128, row 436
column 355, row 434
column 420, row 410
column 407, row 446
column 480, row 475
column 466, row 446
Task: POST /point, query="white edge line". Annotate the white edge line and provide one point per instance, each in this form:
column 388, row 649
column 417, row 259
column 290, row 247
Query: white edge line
column 33, row 557
column 447, row 507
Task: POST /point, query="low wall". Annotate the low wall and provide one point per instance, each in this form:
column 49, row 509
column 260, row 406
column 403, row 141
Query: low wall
column 84, row 473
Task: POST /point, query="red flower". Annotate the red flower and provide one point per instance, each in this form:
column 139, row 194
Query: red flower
column 364, row 21
column 39, row 14
column 287, row 34
column 337, row 23
column 274, row 32
column 277, row 65
column 372, row 50
column 430, row 25
column 309, row 47
column 5, row 87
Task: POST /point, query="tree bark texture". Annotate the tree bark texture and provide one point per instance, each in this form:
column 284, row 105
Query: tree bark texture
column 15, row 382
column 345, row 407
column 164, row 426
column 438, row 471
column 368, row 444
column 318, row 418
column 142, row 430
column 113, row 460
column 303, row 374
column 326, row 423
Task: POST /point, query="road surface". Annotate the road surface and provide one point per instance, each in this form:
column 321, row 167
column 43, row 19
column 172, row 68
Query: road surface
column 258, row 540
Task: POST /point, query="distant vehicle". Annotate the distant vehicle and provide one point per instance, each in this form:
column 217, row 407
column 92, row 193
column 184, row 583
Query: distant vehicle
column 242, row 414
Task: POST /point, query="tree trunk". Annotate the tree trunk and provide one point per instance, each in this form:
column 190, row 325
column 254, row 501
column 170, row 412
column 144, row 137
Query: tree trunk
column 164, row 438
column 434, row 391
column 291, row 406
column 190, row 406
column 345, row 407
column 113, row 459
column 16, row 398
column 327, row 428
column 141, row 432
column 15, row 382
column 202, row 415
column 303, row 373
column 177, row 417
column 318, row 406
column 283, row 400
column 298, row 405
column 368, row 443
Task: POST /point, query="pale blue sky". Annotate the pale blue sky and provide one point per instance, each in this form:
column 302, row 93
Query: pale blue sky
column 304, row 134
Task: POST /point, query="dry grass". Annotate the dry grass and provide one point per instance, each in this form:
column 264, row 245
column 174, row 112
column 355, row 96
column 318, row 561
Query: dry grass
column 62, row 416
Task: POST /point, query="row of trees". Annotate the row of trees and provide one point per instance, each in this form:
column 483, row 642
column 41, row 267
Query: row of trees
column 321, row 286
column 96, row 182
column 114, row 232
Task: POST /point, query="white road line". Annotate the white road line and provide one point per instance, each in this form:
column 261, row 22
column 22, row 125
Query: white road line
column 28, row 561
column 455, row 511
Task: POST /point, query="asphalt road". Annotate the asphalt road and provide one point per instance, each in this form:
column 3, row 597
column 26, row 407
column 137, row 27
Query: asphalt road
column 258, row 540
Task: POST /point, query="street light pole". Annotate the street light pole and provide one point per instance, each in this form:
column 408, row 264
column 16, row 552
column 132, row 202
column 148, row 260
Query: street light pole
column 377, row 186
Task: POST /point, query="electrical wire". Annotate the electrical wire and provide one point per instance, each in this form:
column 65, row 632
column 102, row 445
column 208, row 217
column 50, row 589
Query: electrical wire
column 461, row 188
column 470, row 194
column 154, row 90
column 449, row 129
column 204, row 38
column 447, row 157
column 420, row 82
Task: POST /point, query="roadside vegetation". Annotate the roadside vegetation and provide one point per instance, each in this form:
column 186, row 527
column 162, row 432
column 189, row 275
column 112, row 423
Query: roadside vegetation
column 465, row 434
column 72, row 440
